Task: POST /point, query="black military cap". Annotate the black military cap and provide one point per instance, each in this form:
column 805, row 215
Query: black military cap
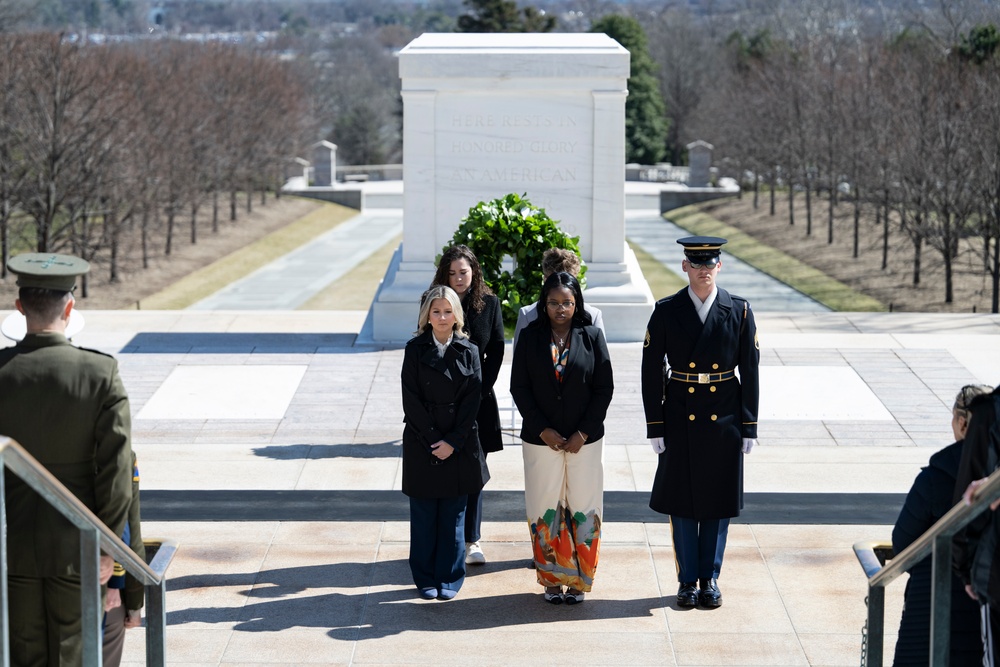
column 47, row 270
column 702, row 249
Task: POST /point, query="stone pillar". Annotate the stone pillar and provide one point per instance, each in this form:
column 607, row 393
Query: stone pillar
column 700, row 161
column 324, row 163
column 538, row 114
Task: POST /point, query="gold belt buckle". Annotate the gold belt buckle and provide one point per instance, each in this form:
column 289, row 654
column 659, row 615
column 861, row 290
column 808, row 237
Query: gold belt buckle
column 703, row 378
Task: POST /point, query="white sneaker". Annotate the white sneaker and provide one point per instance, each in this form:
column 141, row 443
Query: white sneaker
column 474, row 554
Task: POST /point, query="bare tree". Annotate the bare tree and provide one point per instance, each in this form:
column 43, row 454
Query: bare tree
column 686, row 60
column 68, row 125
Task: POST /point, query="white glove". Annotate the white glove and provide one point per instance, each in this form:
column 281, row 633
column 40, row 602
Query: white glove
column 748, row 444
column 658, row 445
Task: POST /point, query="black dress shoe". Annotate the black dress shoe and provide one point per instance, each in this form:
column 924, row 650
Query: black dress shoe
column 687, row 595
column 710, row 596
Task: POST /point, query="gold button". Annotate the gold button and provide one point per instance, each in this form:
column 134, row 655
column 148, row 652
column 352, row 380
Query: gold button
column 690, row 390
column 714, row 417
column 691, row 417
column 711, row 389
column 715, row 366
column 691, row 365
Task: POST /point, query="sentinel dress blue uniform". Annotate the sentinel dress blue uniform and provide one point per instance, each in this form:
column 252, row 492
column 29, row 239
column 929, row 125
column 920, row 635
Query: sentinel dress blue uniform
column 703, row 412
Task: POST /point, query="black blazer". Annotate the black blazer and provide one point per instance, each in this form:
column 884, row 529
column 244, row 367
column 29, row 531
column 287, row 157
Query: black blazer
column 580, row 402
column 440, row 402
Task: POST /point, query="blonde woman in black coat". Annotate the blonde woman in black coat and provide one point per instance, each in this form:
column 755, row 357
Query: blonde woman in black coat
column 442, row 460
column 459, row 269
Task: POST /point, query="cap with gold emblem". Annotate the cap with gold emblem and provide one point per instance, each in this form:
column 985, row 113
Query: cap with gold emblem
column 47, row 270
column 702, row 249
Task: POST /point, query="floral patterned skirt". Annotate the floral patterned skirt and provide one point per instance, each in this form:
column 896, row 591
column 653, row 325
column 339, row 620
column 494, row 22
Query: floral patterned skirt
column 564, row 498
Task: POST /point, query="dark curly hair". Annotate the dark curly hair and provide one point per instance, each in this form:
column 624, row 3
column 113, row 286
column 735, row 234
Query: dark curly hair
column 477, row 288
column 562, row 279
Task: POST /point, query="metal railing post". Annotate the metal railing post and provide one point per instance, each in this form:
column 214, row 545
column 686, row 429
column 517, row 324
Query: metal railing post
column 156, row 624
column 941, row 600
column 91, row 611
column 876, row 625
column 4, row 614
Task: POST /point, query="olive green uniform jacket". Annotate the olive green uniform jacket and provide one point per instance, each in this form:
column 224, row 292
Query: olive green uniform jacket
column 67, row 406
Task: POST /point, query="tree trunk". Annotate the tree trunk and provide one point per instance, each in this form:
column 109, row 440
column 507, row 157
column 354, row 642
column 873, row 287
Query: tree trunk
column 885, row 233
column 112, row 229
column 232, row 205
column 857, row 218
column 170, row 231
column 249, row 197
column 809, row 207
column 215, row 210
column 4, row 236
column 756, row 190
column 791, row 204
column 949, row 286
column 917, row 247
column 774, row 186
column 144, row 234
column 194, row 223
column 996, row 275
column 829, row 218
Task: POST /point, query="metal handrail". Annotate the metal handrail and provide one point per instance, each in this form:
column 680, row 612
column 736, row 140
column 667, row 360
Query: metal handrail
column 937, row 540
column 95, row 537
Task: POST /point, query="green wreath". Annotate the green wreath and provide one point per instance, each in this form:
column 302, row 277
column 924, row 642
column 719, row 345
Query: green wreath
column 512, row 227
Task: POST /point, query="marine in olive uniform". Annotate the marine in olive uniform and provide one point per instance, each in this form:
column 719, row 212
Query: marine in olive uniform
column 67, row 406
column 701, row 419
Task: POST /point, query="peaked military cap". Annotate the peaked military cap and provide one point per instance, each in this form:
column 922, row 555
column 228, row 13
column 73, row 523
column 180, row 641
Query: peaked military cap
column 47, row 270
column 702, row 249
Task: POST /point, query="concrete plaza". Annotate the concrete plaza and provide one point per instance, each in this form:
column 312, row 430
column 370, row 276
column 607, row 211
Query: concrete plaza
column 269, row 448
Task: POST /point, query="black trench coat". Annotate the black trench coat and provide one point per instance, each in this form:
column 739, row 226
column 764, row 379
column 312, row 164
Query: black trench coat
column 440, row 402
column 700, row 475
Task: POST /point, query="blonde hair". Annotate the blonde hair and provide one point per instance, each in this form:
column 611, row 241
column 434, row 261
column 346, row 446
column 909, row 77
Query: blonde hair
column 449, row 295
column 965, row 396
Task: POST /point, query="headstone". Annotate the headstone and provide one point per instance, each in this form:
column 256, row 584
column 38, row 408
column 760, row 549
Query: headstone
column 296, row 167
column 700, row 162
column 537, row 114
column 324, row 163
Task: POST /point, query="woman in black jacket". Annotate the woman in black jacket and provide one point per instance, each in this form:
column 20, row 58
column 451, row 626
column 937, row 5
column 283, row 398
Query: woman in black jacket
column 562, row 383
column 929, row 499
column 459, row 269
column 442, row 461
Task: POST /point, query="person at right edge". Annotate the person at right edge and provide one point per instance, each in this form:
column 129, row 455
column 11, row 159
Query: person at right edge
column 976, row 548
column 700, row 418
column 928, row 500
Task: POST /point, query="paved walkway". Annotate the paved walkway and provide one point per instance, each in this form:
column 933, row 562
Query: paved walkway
column 292, row 280
column 274, row 459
